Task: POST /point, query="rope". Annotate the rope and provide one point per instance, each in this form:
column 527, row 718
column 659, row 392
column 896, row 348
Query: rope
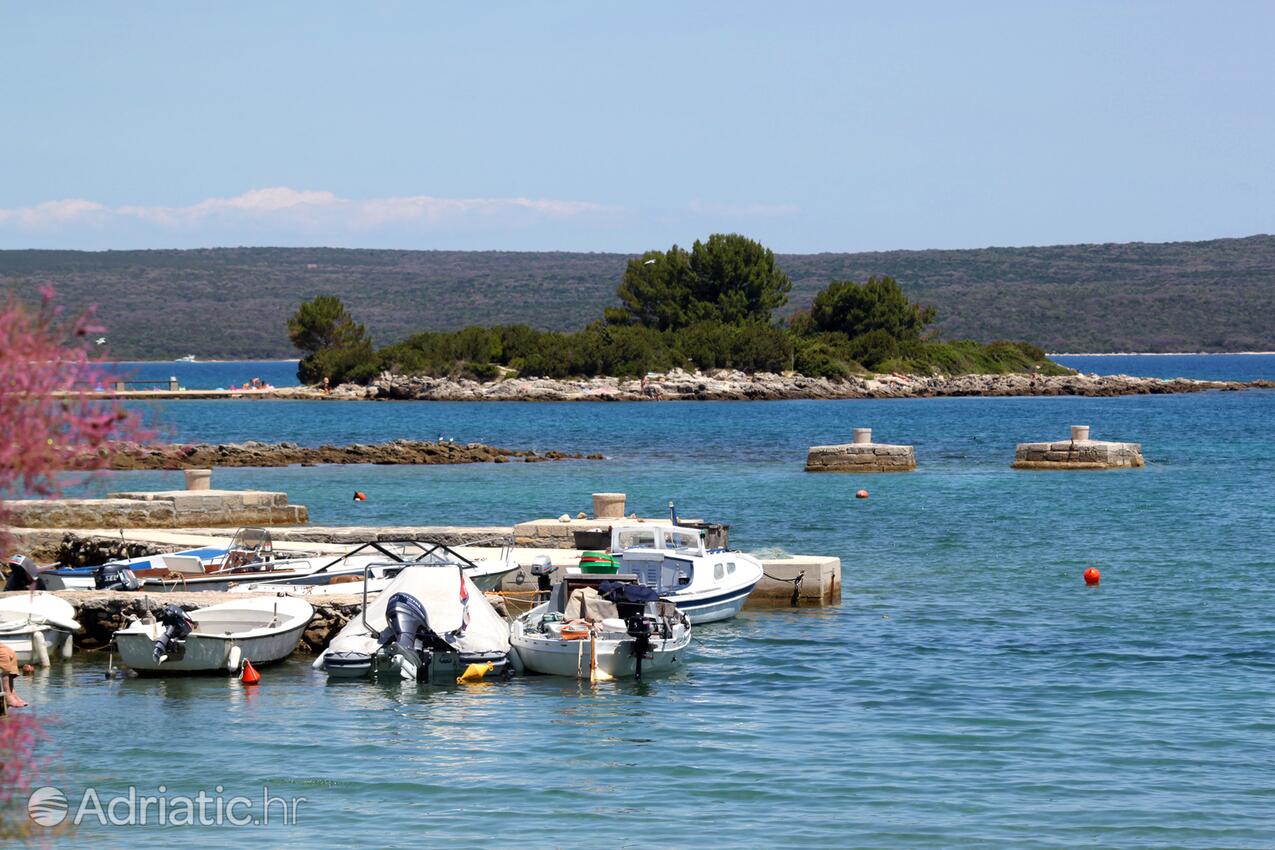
column 796, row 585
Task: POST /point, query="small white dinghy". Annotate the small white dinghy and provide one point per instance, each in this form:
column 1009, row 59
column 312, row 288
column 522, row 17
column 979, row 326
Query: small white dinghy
column 215, row 639
column 602, row 627
column 36, row 625
column 430, row 624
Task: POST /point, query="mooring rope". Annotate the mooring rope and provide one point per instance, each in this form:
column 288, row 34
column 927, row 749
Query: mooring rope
column 796, row 585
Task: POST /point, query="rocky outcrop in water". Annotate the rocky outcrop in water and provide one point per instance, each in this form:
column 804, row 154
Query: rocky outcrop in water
column 252, row 453
column 734, row 385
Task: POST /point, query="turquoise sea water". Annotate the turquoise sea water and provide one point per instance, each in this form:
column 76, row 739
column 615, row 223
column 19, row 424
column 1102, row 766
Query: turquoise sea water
column 968, row 691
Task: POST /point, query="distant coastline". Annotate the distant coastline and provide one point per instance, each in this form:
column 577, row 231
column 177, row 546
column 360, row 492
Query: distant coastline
column 1053, row 354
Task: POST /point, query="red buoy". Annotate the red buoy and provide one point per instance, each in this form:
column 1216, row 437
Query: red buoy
column 360, row 496
column 249, row 676
column 862, row 494
column 1092, row 576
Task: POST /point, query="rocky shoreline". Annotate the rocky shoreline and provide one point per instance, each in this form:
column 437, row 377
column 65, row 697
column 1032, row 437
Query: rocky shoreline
column 730, row 385
column 252, row 453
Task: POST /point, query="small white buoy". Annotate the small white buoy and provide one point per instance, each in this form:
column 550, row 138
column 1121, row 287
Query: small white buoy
column 234, row 659
column 39, row 649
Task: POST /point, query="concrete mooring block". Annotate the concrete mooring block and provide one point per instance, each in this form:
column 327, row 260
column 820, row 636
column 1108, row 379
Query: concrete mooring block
column 1079, row 452
column 862, row 455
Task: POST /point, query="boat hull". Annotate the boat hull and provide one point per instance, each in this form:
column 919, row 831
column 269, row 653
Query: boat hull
column 208, row 653
column 571, row 658
column 20, row 642
column 711, row 608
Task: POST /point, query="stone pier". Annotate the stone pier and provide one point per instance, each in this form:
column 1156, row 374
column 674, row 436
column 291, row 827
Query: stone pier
column 1079, row 452
column 160, row 509
column 862, row 455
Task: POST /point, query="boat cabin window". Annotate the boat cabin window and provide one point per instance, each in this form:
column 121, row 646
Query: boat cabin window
column 677, row 539
column 718, row 571
column 730, row 566
column 637, row 538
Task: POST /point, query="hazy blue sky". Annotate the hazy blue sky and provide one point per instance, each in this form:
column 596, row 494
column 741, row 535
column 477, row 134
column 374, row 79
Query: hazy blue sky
column 607, row 126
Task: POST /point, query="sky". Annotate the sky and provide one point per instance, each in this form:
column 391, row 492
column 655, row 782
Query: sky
column 809, row 126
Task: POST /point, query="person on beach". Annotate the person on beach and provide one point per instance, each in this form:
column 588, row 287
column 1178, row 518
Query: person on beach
column 327, row 385
column 9, row 675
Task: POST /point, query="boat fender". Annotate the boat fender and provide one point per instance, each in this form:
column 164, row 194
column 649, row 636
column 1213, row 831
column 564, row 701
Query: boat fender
column 68, row 646
column 39, row 649
column 234, row 659
column 475, row 672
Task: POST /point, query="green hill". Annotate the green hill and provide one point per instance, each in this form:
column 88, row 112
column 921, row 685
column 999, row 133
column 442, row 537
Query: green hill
column 233, row 302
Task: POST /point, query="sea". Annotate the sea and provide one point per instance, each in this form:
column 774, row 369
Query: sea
column 969, row 689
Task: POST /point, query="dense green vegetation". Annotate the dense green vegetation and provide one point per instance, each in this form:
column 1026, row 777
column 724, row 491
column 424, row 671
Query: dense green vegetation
column 708, row 308
column 232, row 302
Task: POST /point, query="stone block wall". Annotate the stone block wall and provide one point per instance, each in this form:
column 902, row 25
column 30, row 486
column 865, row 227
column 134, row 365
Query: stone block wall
column 861, row 457
column 163, row 509
column 1078, row 454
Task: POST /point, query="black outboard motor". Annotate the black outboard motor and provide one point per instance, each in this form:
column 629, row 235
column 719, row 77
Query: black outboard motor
column 115, row 577
column 630, row 601
column 177, row 625
column 408, row 633
column 24, row 574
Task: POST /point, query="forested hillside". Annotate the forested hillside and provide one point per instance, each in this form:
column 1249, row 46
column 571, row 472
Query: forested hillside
column 234, row 302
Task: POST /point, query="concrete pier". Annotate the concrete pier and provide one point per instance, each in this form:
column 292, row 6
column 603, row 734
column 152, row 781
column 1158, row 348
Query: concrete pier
column 160, row 509
column 1080, row 452
column 862, row 455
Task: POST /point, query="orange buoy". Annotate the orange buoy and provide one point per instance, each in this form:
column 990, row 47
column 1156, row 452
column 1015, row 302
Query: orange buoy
column 249, row 676
column 360, row 496
column 862, row 494
column 1092, row 576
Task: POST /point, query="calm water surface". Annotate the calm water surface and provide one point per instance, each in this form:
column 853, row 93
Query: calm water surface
column 969, row 691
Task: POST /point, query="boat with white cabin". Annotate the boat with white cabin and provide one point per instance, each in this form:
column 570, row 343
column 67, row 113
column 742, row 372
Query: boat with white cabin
column 708, row 585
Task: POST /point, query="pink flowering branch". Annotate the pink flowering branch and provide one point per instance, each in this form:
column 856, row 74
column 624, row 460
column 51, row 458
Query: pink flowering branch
column 49, row 420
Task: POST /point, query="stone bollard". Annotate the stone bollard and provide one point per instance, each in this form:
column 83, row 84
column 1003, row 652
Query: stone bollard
column 862, row 436
column 1079, row 433
column 608, row 505
column 198, row 479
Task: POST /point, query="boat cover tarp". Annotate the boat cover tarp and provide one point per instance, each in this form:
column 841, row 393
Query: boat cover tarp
column 586, row 603
column 438, row 589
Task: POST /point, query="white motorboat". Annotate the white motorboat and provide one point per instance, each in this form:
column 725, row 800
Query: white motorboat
column 379, row 567
column 430, row 624
column 215, row 639
column 601, row 627
column 707, row 585
column 36, row 625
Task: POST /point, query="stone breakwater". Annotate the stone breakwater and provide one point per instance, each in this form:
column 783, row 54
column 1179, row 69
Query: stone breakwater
column 724, row 385
column 252, row 453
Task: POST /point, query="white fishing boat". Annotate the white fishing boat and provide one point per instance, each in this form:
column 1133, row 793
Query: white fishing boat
column 37, row 625
column 430, row 624
column 215, row 639
column 378, row 564
column 707, row 585
column 602, row 627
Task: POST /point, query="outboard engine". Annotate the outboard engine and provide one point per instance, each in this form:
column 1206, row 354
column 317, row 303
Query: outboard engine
column 115, row 577
column 24, row 574
column 542, row 569
column 177, row 625
column 630, row 601
column 408, row 635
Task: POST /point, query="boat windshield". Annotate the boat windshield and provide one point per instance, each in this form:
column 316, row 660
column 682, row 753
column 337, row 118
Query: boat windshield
column 677, row 540
column 637, row 538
